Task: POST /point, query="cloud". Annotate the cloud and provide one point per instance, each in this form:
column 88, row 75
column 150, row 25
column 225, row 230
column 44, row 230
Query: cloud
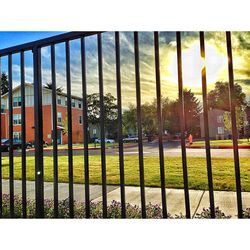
column 167, row 42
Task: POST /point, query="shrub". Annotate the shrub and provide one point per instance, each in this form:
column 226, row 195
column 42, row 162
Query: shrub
column 113, row 210
column 246, row 213
column 206, row 214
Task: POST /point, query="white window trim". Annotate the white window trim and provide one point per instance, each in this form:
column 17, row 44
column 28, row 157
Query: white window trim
column 19, row 135
column 18, row 99
column 58, row 100
column 79, row 119
column 18, row 124
column 59, row 117
column 221, row 128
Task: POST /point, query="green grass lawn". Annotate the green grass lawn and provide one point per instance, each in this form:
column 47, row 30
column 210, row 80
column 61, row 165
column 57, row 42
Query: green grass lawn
column 222, row 142
column 223, row 171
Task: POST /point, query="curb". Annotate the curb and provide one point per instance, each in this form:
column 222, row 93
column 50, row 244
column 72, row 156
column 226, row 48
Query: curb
column 221, row 147
column 79, row 149
column 62, row 149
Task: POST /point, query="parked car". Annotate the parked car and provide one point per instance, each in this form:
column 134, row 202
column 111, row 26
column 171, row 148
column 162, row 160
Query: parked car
column 106, row 140
column 130, row 139
column 32, row 143
column 17, row 144
column 177, row 136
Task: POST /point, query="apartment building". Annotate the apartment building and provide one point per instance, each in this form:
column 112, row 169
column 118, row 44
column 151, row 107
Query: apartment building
column 77, row 117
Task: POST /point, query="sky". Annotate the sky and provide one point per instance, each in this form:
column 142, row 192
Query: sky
column 215, row 62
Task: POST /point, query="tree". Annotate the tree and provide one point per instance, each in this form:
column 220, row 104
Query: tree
column 169, row 119
column 65, row 125
column 4, row 84
column 110, row 112
column 247, row 132
column 148, row 118
column 247, row 127
column 192, row 110
column 218, row 98
column 49, row 86
column 240, row 114
column 170, row 115
column 129, row 120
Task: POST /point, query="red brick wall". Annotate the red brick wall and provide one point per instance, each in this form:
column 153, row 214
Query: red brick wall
column 17, row 128
column 29, row 122
column 77, row 128
column 3, row 126
column 47, row 124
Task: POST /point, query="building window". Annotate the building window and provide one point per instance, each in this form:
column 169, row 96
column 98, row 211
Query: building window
column 73, row 103
column 2, row 108
column 17, row 101
column 17, row 135
column 79, row 105
column 80, row 119
column 59, row 101
column 17, row 120
column 59, row 117
column 220, row 119
column 220, row 130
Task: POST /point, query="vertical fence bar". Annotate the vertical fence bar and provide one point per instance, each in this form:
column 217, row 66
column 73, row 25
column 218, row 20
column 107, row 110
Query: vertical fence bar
column 119, row 118
column 85, row 128
column 38, row 114
column 54, row 134
column 23, row 119
column 1, row 184
column 102, row 126
column 70, row 146
column 182, row 121
column 233, row 122
column 206, row 126
column 139, row 124
column 160, row 125
column 11, row 160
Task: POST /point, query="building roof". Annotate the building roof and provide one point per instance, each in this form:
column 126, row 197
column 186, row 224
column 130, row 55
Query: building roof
column 47, row 89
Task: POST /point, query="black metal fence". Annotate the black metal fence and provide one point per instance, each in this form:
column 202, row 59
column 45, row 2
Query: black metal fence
column 38, row 117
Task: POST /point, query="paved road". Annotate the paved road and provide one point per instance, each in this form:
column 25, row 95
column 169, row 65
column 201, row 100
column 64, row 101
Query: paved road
column 171, row 149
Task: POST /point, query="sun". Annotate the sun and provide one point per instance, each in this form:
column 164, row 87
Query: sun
column 192, row 64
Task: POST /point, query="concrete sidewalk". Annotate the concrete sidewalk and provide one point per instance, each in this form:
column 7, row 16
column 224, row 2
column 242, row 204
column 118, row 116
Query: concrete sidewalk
column 199, row 199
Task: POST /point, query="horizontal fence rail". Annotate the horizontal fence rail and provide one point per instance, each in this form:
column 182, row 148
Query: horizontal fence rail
column 39, row 174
